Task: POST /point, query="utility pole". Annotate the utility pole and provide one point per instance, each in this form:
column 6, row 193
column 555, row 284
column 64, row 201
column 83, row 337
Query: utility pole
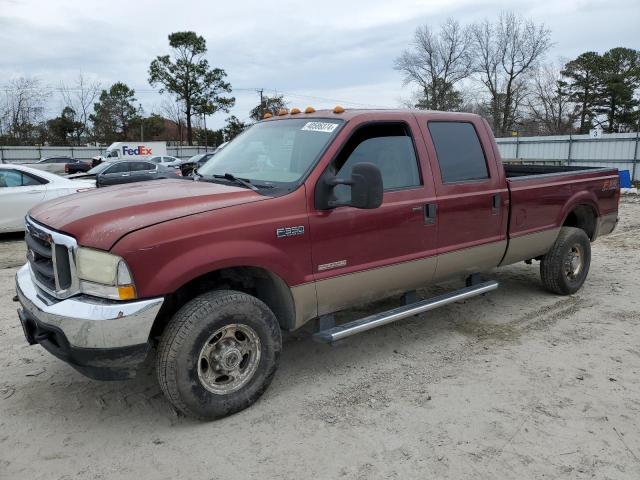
column 141, row 123
column 204, row 120
column 261, row 103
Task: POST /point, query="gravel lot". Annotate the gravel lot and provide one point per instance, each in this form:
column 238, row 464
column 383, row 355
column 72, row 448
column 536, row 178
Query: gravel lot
column 516, row 384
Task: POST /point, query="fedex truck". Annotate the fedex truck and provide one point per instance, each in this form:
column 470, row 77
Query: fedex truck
column 134, row 150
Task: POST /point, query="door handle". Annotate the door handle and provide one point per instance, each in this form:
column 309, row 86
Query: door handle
column 124, row 175
column 495, row 203
column 430, row 213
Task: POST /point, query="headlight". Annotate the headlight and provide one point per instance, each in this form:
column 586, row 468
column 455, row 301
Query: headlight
column 104, row 275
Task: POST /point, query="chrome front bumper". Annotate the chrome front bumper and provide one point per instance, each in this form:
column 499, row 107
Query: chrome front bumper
column 89, row 322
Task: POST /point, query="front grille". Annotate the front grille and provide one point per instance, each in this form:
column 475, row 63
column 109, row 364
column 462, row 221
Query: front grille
column 50, row 256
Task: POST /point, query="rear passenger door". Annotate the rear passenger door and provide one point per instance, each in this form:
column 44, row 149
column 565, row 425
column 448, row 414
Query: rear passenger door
column 143, row 171
column 471, row 197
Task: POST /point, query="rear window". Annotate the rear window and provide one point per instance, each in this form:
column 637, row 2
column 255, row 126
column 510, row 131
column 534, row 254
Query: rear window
column 459, row 152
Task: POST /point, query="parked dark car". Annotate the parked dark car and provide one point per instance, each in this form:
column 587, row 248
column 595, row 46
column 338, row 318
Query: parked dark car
column 193, row 163
column 126, row 171
column 77, row 166
column 55, row 164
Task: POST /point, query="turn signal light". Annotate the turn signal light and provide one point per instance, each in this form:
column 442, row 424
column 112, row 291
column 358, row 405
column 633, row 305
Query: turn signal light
column 127, row 292
column 267, row 115
column 294, row 111
column 282, row 111
column 309, row 110
column 338, row 109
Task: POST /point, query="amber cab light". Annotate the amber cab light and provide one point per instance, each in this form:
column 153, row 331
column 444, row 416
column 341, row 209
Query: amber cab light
column 267, row 115
column 338, row 109
column 295, row 110
column 309, row 110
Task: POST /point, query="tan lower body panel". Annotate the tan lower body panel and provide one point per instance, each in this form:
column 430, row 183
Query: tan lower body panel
column 337, row 293
column 606, row 224
column 305, row 299
column 470, row 260
column 341, row 292
column 529, row 246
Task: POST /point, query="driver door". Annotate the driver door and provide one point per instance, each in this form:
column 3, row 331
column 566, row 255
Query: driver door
column 359, row 255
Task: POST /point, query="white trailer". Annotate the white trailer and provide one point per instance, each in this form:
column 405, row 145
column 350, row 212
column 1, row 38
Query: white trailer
column 135, row 150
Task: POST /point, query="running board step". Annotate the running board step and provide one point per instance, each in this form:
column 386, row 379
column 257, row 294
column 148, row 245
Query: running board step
column 345, row 330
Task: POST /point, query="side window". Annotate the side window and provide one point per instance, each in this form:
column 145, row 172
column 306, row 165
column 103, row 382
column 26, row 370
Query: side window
column 142, row 166
column 388, row 146
column 155, row 159
column 63, row 160
column 459, row 152
column 30, row 180
column 122, row 167
column 113, row 154
column 10, row 178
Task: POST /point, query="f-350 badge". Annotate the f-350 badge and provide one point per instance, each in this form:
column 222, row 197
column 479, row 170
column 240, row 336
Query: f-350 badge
column 289, row 231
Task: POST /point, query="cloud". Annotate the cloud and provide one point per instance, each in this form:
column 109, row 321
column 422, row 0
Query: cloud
column 331, row 49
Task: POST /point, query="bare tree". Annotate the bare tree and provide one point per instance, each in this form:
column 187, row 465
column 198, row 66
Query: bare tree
column 436, row 62
column 80, row 97
column 173, row 109
column 549, row 104
column 505, row 53
column 22, row 111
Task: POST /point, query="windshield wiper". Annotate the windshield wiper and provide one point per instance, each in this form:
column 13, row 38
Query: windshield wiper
column 240, row 181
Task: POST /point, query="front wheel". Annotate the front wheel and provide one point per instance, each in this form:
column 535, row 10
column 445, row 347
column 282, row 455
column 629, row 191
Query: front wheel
column 564, row 268
column 218, row 354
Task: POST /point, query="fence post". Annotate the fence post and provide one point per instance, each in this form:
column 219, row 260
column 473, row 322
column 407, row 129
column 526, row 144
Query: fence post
column 517, row 144
column 1, row 154
column 569, row 152
column 635, row 155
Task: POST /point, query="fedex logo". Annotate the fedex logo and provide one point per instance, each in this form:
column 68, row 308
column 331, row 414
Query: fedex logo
column 140, row 150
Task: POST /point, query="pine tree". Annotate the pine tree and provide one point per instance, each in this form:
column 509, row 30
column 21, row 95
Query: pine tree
column 585, row 87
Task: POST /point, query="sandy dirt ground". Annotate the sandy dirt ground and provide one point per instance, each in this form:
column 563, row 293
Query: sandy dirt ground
column 515, row 384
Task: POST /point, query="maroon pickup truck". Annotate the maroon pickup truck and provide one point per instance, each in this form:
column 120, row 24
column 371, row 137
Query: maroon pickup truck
column 301, row 216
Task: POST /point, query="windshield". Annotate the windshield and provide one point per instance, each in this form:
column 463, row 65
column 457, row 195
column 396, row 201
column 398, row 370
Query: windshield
column 99, row 168
column 278, row 151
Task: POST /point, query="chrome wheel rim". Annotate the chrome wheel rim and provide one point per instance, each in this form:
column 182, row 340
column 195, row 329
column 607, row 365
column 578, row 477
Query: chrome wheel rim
column 574, row 262
column 229, row 358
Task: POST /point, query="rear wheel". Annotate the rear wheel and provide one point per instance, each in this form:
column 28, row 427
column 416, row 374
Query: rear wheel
column 218, row 354
column 565, row 267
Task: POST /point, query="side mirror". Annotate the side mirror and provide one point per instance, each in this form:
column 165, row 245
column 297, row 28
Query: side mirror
column 366, row 188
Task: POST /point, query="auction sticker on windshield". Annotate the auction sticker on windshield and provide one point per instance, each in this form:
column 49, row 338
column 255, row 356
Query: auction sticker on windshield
column 325, row 127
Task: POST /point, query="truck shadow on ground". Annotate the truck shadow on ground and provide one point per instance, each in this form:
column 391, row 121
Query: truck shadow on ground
column 434, row 338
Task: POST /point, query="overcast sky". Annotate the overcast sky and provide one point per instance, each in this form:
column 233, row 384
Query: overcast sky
column 316, row 53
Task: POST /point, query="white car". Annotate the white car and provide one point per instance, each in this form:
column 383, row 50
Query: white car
column 166, row 160
column 22, row 188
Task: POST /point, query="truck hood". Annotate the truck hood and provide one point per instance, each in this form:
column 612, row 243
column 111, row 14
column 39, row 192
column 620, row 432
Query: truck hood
column 101, row 217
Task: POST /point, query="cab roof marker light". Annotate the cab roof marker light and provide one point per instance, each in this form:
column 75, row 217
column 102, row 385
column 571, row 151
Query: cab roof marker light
column 338, row 109
column 295, row 110
column 309, row 110
column 282, row 111
column 267, row 115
